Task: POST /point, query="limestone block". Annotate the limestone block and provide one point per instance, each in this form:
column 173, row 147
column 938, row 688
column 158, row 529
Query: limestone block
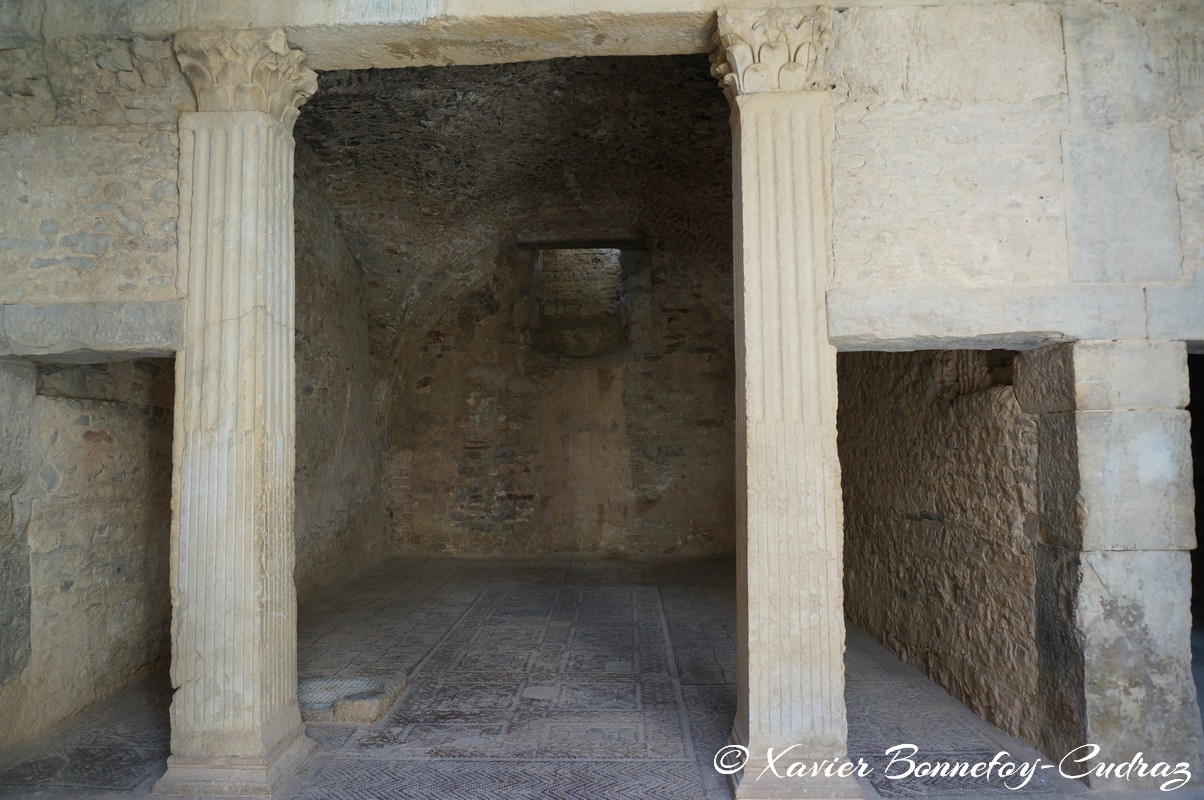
column 1133, row 615
column 944, row 194
column 1101, row 376
column 1174, row 311
column 1176, row 36
column 122, row 17
column 1015, row 317
column 972, row 54
column 1117, row 480
column 1187, row 151
column 1123, row 211
column 88, row 214
column 1109, row 67
column 87, row 332
column 1135, row 480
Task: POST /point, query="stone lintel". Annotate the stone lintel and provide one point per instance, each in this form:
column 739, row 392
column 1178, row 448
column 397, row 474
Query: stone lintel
column 87, row 333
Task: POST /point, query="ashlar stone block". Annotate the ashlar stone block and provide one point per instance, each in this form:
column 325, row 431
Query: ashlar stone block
column 1123, row 213
column 1135, row 626
column 1103, row 376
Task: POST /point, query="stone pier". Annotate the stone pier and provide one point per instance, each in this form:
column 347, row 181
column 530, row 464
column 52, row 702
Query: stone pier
column 790, row 626
column 236, row 728
column 1117, row 524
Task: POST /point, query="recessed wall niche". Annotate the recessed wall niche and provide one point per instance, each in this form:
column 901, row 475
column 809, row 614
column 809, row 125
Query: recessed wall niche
column 582, row 302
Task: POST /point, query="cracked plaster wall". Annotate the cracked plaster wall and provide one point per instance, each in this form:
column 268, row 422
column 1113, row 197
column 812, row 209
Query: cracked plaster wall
column 85, row 537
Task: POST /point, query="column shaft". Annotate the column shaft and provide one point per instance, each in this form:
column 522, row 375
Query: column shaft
column 791, row 623
column 235, row 725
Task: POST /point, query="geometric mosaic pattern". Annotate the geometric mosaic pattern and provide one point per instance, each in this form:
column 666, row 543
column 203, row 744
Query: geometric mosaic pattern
column 523, row 695
column 530, row 679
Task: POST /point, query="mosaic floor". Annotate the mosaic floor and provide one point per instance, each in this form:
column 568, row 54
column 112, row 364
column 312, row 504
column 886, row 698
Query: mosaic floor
column 530, row 679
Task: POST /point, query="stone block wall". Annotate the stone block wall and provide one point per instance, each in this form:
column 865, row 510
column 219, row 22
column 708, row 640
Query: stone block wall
column 340, row 522
column 85, row 535
column 941, row 523
column 1049, row 150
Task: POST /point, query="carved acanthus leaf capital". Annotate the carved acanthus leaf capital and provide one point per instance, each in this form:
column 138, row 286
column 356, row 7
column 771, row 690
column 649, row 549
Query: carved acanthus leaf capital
column 246, row 71
column 769, row 50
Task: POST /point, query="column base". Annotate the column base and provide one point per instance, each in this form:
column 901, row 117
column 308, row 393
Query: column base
column 232, row 776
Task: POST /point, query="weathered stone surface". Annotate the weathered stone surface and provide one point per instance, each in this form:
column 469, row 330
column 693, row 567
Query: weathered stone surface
column 1135, row 628
column 1062, row 711
column 88, row 214
column 1109, row 66
column 97, row 506
column 87, row 332
column 1019, row 317
column 1117, row 480
column 927, row 193
column 114, row 17
column 1123, row 213
column 105, row 80
column 340, row 521
column 1187, row 151
column 1175, row 311
column 940, row 488
column 17, row 458
column 25, row 92
column 1103, row 376
column 1004, row 53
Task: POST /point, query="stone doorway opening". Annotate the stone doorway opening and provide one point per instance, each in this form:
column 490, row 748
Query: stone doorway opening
column 514, row 324
column 1000, row 539
column 84, row 560
column 942, row 529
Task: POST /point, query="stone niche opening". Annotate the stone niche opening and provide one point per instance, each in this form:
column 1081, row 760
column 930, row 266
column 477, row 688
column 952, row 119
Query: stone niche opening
column 584, row 302
column 943, row 556
column 84, row 537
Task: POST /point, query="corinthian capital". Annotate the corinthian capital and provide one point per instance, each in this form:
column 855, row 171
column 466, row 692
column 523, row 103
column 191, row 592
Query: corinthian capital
column 246, row 71
column 769, row 50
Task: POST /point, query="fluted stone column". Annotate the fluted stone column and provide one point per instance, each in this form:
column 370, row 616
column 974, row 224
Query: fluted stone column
column 236, row 727
column 790, row 537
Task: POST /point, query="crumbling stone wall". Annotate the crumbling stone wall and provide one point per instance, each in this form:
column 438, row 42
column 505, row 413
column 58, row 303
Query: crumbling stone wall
column 89, row 161
column 86, row 535
column 340, row 510
column 941, row 523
